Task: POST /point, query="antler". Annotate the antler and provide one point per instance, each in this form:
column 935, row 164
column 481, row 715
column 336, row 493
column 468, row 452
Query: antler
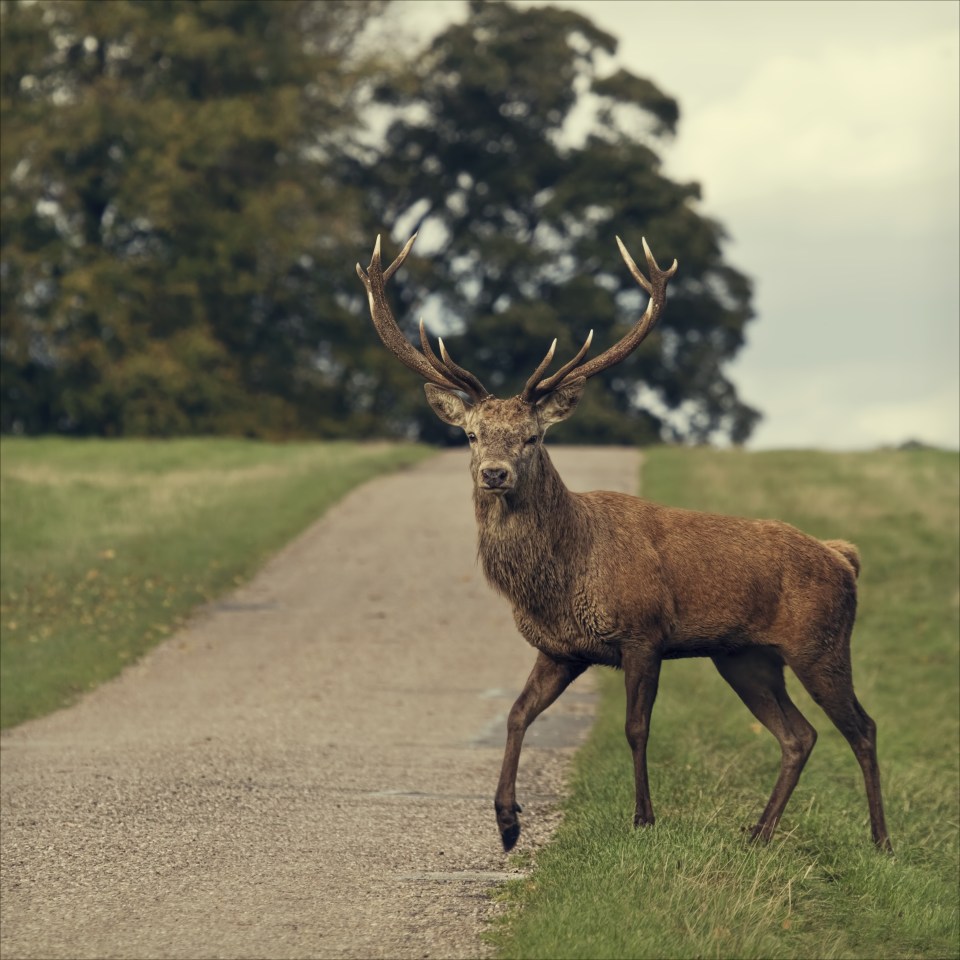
column 444, row 373
column 656, row 286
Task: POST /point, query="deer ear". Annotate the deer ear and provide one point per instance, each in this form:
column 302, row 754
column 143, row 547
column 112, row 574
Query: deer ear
column 447, row 406
column 560, row 404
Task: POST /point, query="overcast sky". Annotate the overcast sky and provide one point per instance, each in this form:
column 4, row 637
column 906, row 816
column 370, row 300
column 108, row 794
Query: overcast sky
column 825, row 137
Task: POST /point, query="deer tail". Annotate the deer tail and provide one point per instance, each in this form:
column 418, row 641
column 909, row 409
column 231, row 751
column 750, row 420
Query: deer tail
column 846, row 550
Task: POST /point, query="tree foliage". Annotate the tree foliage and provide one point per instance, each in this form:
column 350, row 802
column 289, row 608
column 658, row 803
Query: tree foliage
column 175, row 224
column 187, row 184
column 522, row 163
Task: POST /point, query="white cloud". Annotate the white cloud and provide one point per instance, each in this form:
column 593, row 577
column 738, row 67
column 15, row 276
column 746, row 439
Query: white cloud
column 836, row 119
column 836, row 171
column 852, row 405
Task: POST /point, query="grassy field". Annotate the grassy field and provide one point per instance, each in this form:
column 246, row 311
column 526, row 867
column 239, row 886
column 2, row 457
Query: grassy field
column 107, row 545
column 691, row 886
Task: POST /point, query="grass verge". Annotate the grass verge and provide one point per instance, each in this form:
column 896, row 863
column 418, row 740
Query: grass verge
column 691, row 886
column 107, row 545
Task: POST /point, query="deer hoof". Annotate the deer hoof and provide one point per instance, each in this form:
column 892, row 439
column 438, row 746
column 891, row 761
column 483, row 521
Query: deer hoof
column 759, row 834
column 509, row 836
column 509, row 825
column 642, row 820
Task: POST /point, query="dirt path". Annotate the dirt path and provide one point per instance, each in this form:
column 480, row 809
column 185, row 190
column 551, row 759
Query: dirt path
column 307, row 770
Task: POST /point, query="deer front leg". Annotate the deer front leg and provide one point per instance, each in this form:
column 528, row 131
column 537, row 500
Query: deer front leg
column 641, row 667
column 548, row 679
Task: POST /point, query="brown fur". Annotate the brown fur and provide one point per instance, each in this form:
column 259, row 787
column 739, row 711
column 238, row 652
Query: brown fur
column 613, row 579
column 607, row 578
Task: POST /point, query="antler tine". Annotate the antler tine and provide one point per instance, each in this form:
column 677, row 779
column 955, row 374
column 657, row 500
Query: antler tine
column 434, row 360
column 652, row 264
column 447, row 368
column 547, row 385
column 656, row 286
column 529, row 390
column 427, row 365
column 537, row 388
column 401, row 256
column 464, row 376
column 632, row 266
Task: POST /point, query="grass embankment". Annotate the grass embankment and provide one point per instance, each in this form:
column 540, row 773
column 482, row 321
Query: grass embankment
column 107, row 545
column 691, row 886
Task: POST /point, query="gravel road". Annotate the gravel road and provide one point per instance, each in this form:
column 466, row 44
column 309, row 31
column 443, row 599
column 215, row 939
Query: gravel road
column 307, row 768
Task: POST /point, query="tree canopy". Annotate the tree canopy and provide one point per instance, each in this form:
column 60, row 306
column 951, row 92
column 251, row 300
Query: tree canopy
column 176, row 225
column 187, row 184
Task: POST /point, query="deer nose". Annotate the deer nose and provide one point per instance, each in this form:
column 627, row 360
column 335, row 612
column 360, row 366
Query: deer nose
column 494, row 476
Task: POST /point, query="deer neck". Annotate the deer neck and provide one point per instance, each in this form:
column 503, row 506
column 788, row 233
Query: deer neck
column 531, row 541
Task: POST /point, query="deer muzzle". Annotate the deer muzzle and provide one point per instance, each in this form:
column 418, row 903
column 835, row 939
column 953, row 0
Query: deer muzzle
column 495, row 477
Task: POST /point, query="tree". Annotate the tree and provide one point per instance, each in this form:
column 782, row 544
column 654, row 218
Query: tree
column 175, row 220
column 187, row 183
column 483, row 157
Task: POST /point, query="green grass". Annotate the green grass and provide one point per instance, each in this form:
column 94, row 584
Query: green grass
column 691, row 886
column 107, row 545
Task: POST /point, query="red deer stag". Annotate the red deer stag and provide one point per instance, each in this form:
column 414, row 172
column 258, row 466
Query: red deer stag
column 613, row 579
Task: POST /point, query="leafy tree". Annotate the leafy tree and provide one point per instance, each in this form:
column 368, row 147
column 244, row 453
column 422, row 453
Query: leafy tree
column 483, row 156
column 186, row 185
column 174, row 215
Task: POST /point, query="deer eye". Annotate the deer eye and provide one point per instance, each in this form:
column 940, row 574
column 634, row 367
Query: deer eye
column 472, row 437
column 532, row 440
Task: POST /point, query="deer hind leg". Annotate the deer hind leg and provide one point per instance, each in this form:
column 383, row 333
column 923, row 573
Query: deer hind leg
column 548, row 679
column 757, row 677
column 829, row 681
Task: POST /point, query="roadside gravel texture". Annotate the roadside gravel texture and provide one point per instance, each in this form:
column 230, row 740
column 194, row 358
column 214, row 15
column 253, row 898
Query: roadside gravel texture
column 307, row 769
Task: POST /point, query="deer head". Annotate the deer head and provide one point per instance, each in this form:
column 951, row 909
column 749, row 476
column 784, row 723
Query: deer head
column 506, row 435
